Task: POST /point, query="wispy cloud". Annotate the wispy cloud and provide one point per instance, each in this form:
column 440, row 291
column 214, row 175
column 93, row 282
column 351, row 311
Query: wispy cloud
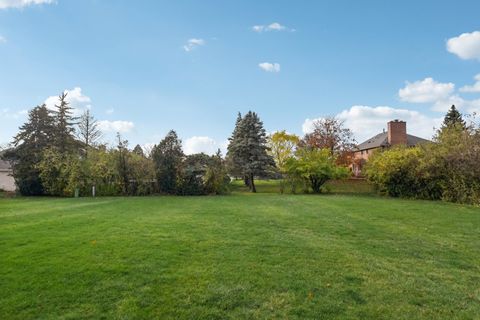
column 193, row 43
column 275, row 26
column 3, row 39
column 473, row 88
column 116, row 126
column 8, row 114
column 5, row 4
column 269, row 67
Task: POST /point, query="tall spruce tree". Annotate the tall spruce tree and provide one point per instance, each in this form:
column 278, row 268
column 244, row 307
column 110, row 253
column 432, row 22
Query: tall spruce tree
column 28, row 146
column 454, row 119
column 168, row 157
column 64, row 131
column 233, row 163
column 248, row 149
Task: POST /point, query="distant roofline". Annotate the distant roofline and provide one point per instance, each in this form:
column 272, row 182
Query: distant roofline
column 381, row 140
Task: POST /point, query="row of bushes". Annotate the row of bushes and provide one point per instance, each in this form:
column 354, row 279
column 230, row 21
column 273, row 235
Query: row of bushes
column 446, row 169
column 123, row 172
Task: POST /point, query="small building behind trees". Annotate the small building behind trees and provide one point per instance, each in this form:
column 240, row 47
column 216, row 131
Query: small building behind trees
column 396, row 134
column 7, row 182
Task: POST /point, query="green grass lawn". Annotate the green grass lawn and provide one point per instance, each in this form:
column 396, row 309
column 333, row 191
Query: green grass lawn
column 243, row 256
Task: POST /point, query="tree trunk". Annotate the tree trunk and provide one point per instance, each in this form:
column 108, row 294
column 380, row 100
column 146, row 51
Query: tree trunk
column 252, row 184
column 316, row 185
column 246, row 180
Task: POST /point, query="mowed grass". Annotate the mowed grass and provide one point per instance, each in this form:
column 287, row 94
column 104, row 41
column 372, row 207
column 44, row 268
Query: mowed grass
column 243, row 256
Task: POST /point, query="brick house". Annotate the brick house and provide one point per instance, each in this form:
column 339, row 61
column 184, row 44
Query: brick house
column 396, row 134
column 7, row 183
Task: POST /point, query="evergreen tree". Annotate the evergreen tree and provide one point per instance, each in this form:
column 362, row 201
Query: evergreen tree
column 233, row 163
column 28, row 147
column 64, row 125
column 88, row 131
column 168, row 157
column 248, row 148
column 453, row 119
column 138, row 150
column 122, row 165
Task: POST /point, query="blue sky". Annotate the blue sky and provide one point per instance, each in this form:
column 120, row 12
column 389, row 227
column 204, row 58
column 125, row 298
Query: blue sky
column 145, row 67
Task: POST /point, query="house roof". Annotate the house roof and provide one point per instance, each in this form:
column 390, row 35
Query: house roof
column 381, row 140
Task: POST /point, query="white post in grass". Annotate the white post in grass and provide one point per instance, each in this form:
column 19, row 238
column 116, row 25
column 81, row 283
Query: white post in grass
column 93, row 191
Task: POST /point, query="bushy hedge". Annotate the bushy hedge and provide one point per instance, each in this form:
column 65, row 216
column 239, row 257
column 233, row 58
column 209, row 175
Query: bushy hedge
column 446, row 169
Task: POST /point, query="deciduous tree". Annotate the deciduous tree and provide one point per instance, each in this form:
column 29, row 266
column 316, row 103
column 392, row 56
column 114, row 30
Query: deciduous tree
column 282, row 146
column 314, row 167
column 88, row 131
column 330, row 133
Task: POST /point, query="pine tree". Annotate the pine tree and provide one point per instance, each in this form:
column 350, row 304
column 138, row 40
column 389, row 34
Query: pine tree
column 453, row 119
column 168, row 157
column 64, row 125
column 233, row 163
column 248, row 148
column 28, row 147
column 138, row 150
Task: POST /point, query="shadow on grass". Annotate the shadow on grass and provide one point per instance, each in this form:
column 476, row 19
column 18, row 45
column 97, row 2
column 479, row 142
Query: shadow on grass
column 345, row 187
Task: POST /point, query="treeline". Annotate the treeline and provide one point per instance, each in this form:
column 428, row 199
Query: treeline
column 446, row 169
column 57, row 154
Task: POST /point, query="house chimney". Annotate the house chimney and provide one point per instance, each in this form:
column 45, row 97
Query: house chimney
column 397, row 132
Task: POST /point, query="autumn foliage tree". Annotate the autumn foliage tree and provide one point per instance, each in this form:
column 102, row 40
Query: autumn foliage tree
column 282, row 146
column 331, row 133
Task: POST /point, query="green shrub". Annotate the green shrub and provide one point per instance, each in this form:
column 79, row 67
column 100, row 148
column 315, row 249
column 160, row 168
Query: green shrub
column 446, row 169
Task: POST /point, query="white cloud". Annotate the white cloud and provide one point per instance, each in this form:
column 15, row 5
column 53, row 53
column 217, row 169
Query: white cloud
column 193, row 43
column 365, row 121
column 444, row 104
column 269, row 67
column 474, row 107
column 426, row 90
column 198, row 144
column 116, row 126
column 466, row 46
column 5, row 4
column 275, row 26
column 77, row 100
column 473, row 88
column 3, row 39
column 110, row 111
